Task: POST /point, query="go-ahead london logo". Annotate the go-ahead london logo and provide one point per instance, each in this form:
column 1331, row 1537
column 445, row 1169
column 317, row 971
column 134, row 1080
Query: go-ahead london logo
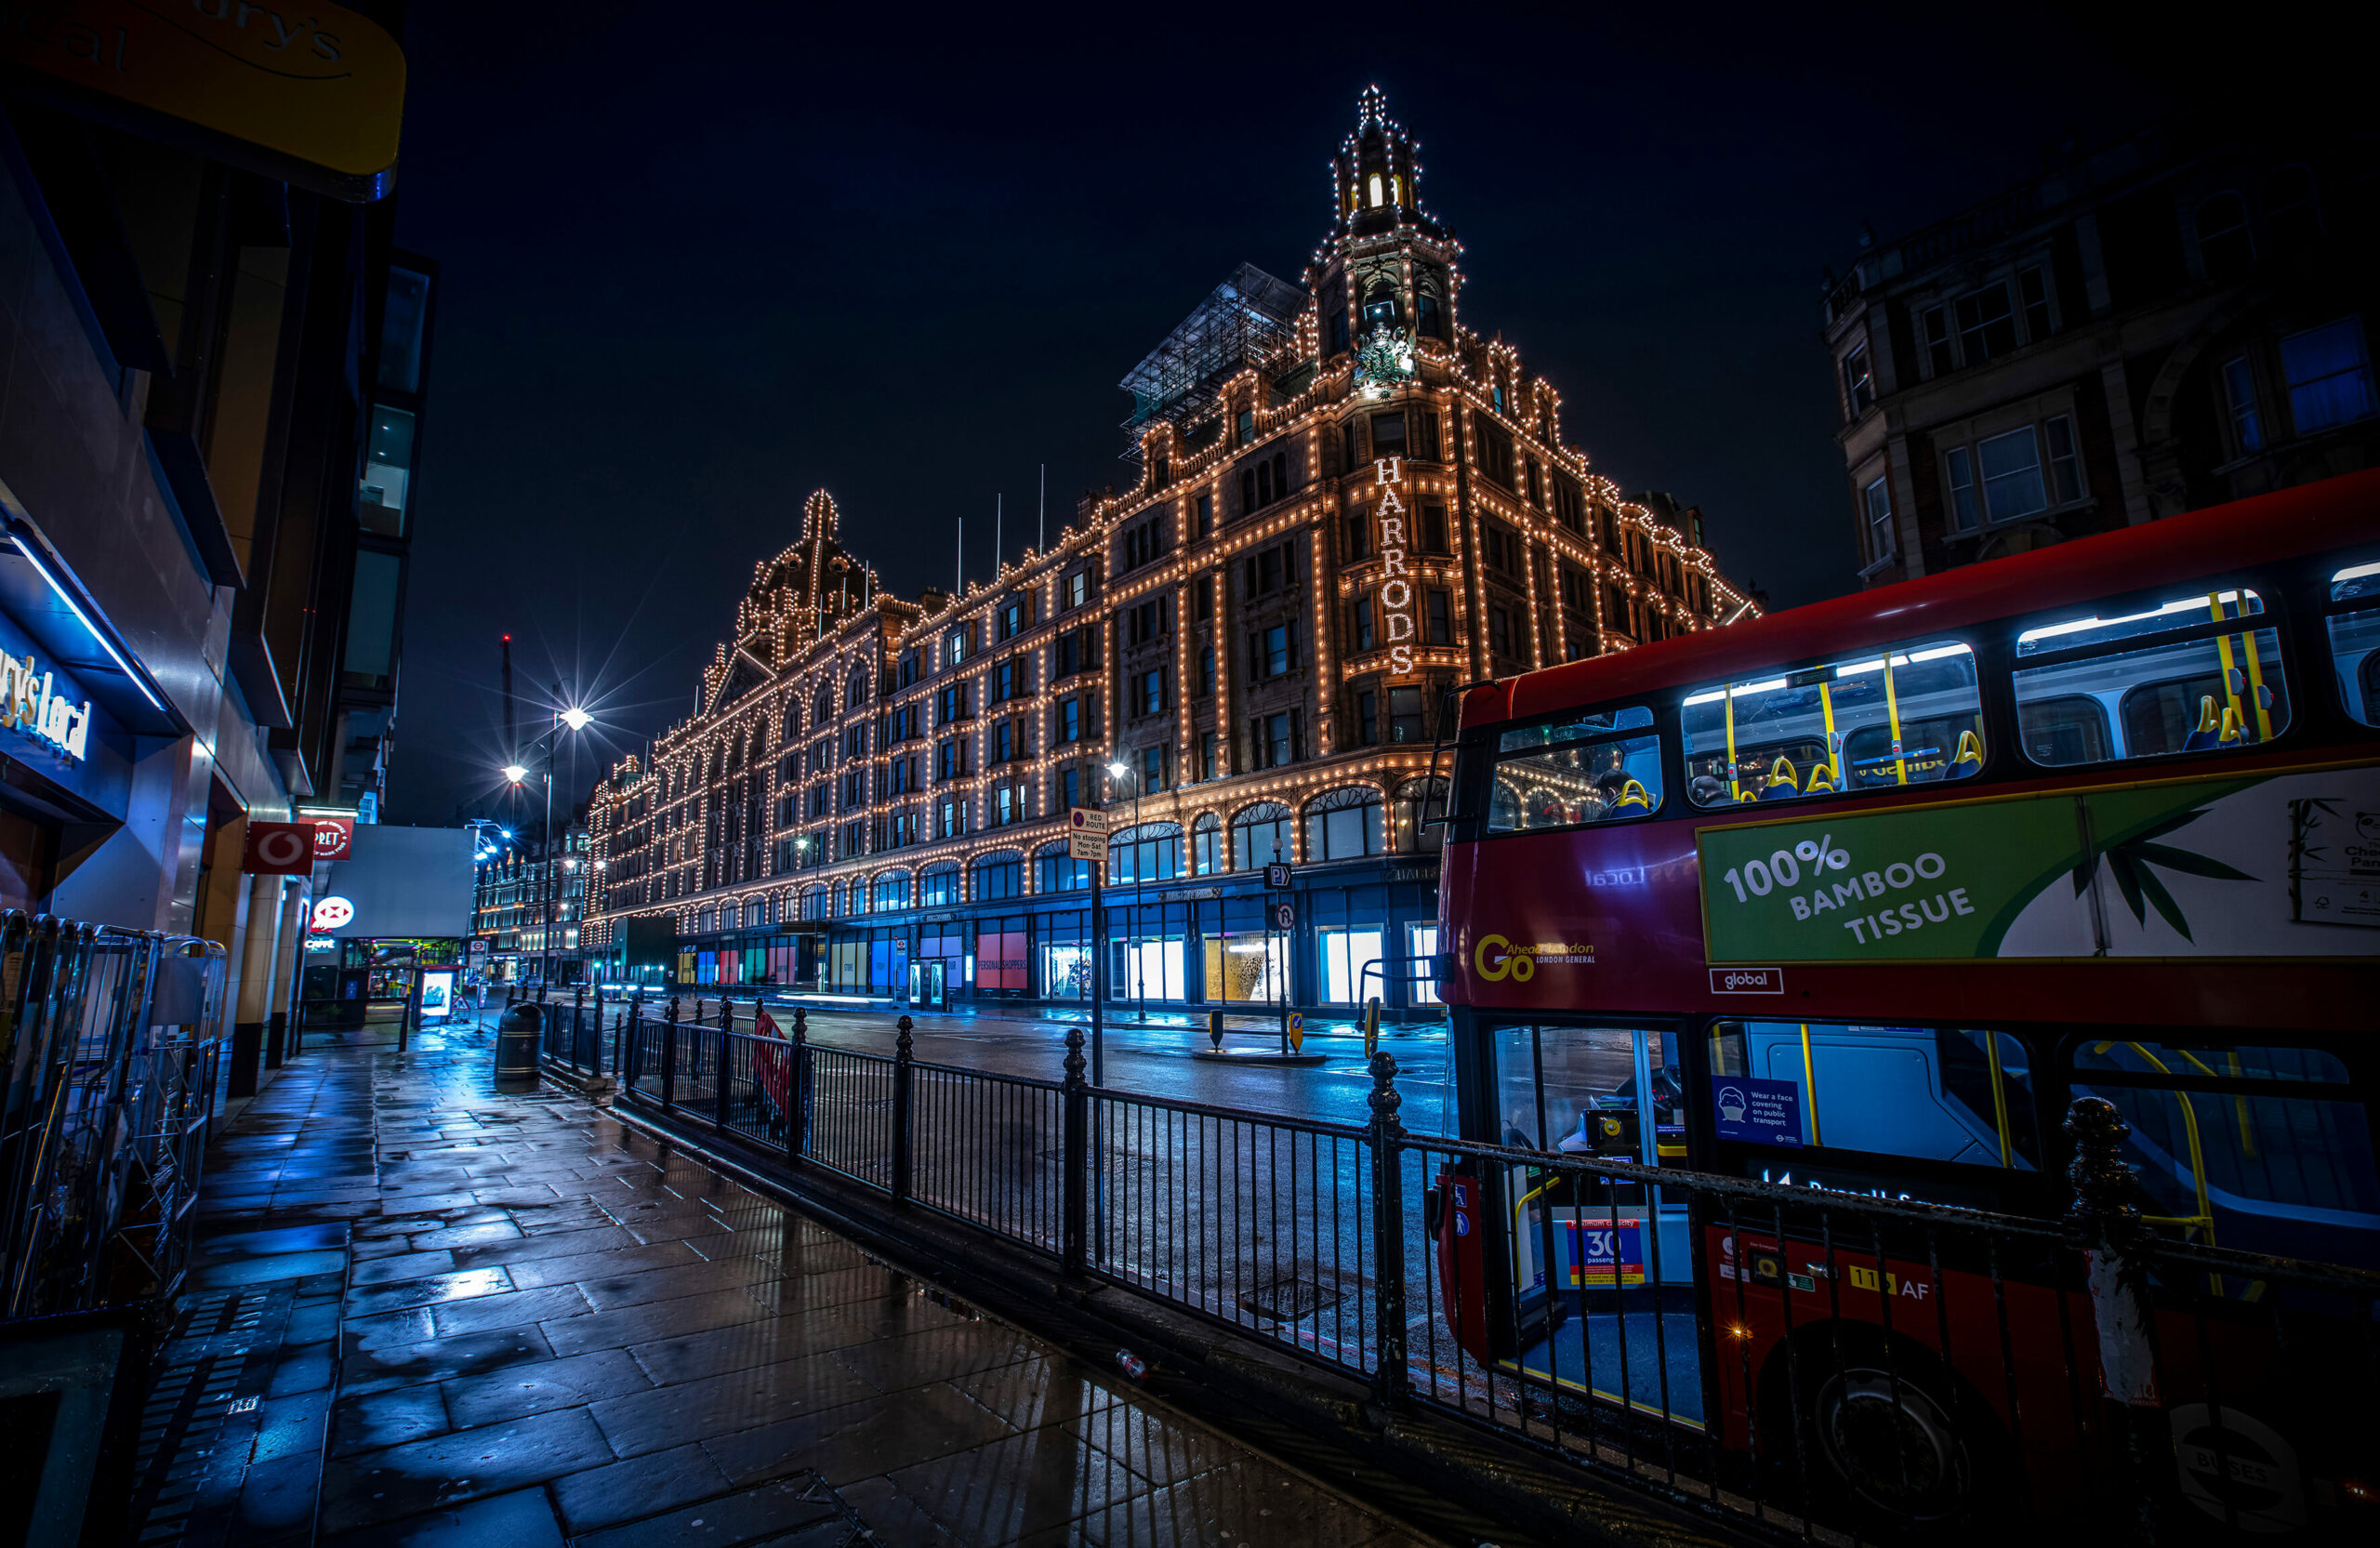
column 1496, row 957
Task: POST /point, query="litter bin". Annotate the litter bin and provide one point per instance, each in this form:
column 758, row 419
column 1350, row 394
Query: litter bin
column 516, row 1043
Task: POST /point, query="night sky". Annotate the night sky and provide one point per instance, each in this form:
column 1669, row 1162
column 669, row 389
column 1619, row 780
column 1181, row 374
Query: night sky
column 699, row 261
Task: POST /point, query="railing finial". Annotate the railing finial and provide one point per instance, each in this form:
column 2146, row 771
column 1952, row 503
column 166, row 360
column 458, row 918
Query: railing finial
column 1076, row 1063
column 1385, row 1098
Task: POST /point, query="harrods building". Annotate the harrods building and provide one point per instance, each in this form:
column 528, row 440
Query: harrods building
column 1344, row 502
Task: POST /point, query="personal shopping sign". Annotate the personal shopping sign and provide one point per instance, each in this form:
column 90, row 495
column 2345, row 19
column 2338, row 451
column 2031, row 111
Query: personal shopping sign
column 1603, row 1253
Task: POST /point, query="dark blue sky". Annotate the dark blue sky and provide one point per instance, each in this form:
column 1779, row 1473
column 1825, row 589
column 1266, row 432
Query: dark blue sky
column 699, row 261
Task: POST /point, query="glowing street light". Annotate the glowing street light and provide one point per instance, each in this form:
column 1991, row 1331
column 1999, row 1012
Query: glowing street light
column 516, row 773
column 576, row 717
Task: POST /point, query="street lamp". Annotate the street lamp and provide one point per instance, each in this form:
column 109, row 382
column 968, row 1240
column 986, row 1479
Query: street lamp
column 573, row 719
column 1118, row 769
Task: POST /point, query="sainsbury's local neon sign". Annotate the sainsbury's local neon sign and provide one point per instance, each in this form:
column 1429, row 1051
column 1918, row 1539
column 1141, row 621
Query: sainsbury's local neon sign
column 28, row 701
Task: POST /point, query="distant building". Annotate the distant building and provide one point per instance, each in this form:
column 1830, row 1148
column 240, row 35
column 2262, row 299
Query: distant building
column 510, row 902
column 2177, row 320
column 1343, row 504
column 216, row 369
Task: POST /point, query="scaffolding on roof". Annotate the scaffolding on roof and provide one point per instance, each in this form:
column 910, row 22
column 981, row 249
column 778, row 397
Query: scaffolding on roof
column 1248, row 320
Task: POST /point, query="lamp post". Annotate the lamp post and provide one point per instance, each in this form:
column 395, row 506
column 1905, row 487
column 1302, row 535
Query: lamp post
column 573, row 719
column 1118, row 769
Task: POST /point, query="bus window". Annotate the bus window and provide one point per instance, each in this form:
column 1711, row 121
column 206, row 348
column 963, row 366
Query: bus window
column 2206, row 689
column 1932, row 1093
column 1911, row 715
column 1587, row 768
column 2355, row 639
column 2232, row 1150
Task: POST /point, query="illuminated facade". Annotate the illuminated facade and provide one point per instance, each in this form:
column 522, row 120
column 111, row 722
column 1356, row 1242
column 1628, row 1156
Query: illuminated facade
column 1345, row 505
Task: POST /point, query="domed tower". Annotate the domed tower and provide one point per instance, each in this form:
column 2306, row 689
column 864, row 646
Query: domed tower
column 1387, row 273
column 810, row 588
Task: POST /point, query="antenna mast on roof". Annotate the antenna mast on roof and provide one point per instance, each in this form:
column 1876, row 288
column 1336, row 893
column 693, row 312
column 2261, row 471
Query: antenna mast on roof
column 999, row 514
column 1042, row 538
column 959, row 585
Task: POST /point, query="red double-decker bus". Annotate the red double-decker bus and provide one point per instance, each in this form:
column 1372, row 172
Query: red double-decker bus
column 1858, row 898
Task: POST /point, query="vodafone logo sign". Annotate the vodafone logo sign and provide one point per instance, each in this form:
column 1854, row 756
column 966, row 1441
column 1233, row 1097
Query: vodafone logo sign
column 331, row 913
column 279, row 849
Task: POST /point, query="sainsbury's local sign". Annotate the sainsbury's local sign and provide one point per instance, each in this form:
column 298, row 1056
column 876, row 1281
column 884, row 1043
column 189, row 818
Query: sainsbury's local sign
column 30, row 702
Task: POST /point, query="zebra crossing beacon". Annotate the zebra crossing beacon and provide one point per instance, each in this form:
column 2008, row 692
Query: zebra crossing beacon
column 1794, row 965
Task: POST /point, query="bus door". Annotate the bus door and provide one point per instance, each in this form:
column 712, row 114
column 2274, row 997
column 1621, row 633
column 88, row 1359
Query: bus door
column 1602, row 1270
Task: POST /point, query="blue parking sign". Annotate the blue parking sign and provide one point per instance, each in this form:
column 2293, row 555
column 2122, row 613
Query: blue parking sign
column 1762, row 1112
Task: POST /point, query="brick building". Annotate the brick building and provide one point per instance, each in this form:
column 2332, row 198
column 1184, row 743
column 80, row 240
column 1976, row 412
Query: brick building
column 2174, row 321
column 1342, row 503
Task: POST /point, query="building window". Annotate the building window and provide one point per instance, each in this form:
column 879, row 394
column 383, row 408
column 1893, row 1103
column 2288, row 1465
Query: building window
column 1937, row 322
column 2240, row 397
column 1206, row 845
column 1271, row 652
column 1364, row 623
column 1859, row 384
column 2013, row 480
column 1207, row 767
column 1153, row 769
column 2032, row 288
column 1247, row 426
column 1388, row 435
column 1880, row 521
column 1434, row 529
column 2065, row 465
column 1272, row 739
column 1070, row 720
column 1069, row 790
column 1405, row 715
column 1986, row 327
column 1959, row 471
column 1367, row 718
column 1343, row 825
column 1440, row 626
column 1207, row 672
column 1205, row 593
column 1500, row 630
column 2329, row 375
column 2012, row 475
column 1150, row 691
column 1077, row 588
column 1495, row 452
column 1259, row 836
column 2224, row 248
column 1205, row 515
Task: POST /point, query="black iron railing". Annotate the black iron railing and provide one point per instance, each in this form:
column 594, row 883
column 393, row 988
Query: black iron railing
column 1822, row 1364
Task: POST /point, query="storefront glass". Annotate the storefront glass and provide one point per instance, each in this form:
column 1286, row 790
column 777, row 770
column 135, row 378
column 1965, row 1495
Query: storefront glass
column 1345, row 954
column 1247, row 967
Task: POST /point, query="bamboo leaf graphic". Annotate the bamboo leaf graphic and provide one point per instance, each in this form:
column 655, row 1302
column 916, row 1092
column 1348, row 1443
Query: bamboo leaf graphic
column 2168, row 909
column 2127, row 877
column 2185, row 861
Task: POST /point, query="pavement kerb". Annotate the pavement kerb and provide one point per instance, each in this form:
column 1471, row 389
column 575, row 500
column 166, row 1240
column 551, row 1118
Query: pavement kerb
column 1456, row 1481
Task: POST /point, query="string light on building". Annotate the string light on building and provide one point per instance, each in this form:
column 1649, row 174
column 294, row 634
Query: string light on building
column 1344, row 503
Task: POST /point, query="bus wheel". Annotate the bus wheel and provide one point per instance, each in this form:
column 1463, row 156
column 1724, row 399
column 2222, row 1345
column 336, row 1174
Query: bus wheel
column 1889, row 1439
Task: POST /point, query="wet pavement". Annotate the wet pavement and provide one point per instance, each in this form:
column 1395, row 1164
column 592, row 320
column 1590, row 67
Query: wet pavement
column 422, row 1311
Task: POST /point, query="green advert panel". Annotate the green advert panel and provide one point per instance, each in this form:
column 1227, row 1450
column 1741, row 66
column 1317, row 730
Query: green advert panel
column 1916, row 883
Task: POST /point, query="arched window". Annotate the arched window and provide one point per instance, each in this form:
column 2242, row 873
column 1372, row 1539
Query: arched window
column 1207, row 845
column 1054, row 872
column 1149, row 853
column 821, row 709
column 1376, row 192
column 891, row 890
column 1259, row 836
column 999, row 876
column 1280, row 475
column 1264, row 483
column 1380, row 306
column 1421, row 808
column 1343, row 825
column 814, row 905
column 938, row 888
column 855, row 692
column 2224, row 244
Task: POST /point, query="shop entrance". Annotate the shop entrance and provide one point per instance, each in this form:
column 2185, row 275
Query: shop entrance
column 929, row 985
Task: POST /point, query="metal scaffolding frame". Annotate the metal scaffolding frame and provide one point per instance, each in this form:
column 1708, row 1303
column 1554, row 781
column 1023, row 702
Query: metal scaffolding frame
column 1248, row 320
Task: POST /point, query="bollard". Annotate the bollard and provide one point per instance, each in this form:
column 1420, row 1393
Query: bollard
column 1391, row 1381
column 903, row 1075
column 1215, row 1026
column 1074, row 1230
column 2117, row 1273
column 722, row 1077
column 578, row 1026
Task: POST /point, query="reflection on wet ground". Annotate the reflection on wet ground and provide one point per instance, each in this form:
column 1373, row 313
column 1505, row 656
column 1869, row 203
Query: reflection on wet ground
column 435, row 1313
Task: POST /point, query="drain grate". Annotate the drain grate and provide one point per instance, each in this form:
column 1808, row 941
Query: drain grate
column 200, row 1421
column 1293, row 1298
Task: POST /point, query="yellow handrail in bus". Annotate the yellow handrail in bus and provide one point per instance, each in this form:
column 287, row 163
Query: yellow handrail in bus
column 1892, row 709
column 1833, row 754
column 2223, row 650
column 1735, row 787
column 2204, row 1219
column 1999, row 1098
column 1810, row 1084
column 2256, row 686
